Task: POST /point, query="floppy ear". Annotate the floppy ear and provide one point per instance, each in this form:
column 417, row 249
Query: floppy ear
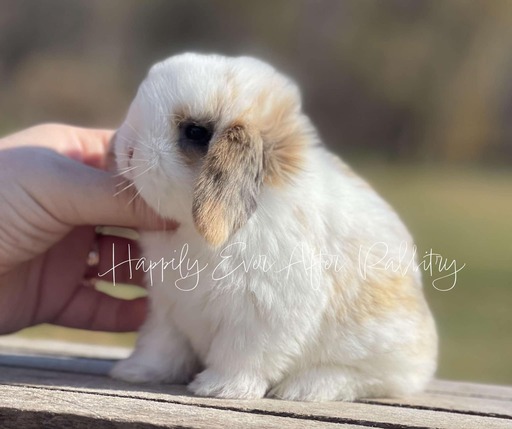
column 228, row 184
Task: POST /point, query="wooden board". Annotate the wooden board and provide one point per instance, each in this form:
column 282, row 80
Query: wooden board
column 39, row 392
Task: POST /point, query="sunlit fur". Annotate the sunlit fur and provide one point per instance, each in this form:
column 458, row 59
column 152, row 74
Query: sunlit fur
column 337, row 333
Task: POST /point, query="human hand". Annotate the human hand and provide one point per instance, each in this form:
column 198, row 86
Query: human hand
column 54, row 190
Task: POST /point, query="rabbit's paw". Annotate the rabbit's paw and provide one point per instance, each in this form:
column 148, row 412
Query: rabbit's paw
column 234, row 386
column 322, row 384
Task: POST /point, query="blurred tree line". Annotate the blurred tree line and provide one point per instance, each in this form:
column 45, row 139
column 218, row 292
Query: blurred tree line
column 417, row 80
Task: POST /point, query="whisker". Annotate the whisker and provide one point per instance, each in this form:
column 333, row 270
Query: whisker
column 127, row 156
column 139, row 139
column 122, row 183
column 141, row 161
column 135, row 196
column 123, row 171
column 144, row 172
column 134, row 130
column 124, row 138
column 124, row 189
column 142, row 141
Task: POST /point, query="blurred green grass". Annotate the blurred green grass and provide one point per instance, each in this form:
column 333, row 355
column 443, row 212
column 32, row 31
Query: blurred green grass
column 462, row 213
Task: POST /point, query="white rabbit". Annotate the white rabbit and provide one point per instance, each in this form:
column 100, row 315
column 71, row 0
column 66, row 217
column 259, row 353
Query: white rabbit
column 301, row 282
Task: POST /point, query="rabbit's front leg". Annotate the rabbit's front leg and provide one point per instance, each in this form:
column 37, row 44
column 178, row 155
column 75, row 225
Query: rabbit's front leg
column 162, row 353
column 237, row 364
column 253, row 346
column 234, row 366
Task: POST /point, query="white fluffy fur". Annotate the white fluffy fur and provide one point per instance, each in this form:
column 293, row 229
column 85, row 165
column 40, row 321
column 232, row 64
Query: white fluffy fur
column 288, row 333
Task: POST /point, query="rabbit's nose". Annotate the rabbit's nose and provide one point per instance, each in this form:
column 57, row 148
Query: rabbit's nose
column 130, row 153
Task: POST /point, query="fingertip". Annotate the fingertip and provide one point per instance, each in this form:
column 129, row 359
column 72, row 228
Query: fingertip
column 95, row 146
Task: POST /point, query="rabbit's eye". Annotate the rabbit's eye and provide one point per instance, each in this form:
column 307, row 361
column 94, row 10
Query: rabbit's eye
column 197, row 134
column 194, row 139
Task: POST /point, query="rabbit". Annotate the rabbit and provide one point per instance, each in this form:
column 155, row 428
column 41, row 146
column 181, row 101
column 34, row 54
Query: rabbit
column 295, row 280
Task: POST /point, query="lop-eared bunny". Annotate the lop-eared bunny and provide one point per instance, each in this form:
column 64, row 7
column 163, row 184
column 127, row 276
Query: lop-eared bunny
column 288, row 276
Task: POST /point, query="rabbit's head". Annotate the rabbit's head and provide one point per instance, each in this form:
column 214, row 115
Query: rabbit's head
column 205, row 134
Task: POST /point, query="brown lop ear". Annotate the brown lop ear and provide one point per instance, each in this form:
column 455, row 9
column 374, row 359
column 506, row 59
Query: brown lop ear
column 228, row 184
